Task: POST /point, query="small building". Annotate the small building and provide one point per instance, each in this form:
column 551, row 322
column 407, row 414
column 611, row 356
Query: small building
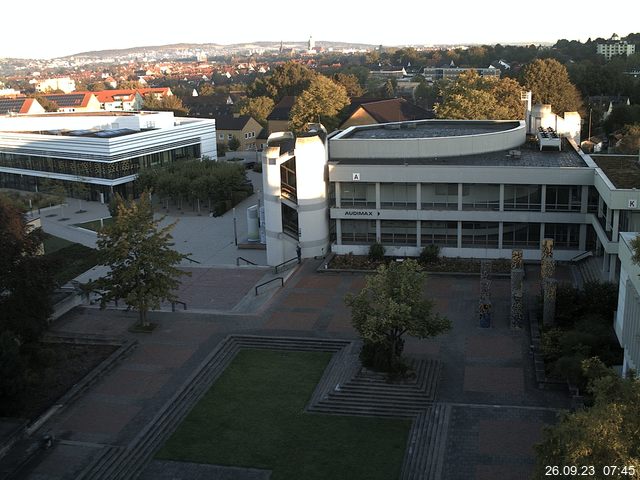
column 614, row 47
column 74, row 102
column 245, row 128
column 65, row 84
column 120, row 100
column 363, row 111
column 22, row 105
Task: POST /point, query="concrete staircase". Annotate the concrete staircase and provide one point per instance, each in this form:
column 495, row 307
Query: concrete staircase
column 424, row 456
column 590, row 270
column 371, row 394
column 115, row 462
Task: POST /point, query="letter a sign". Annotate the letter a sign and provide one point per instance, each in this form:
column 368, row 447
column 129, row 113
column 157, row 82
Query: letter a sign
column 356, row 177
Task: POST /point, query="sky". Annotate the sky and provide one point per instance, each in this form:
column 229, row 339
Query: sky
column 44, row 30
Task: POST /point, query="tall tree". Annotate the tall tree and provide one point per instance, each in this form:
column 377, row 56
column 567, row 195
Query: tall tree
column 169, row 103
column 143, row 265
column 474, row 97
column 320, row 102
column 350, row 82
column 606, row 435
column 549, row 83
column 25, row 279
column 287, row 79
column 259, row 108
column 391, row 305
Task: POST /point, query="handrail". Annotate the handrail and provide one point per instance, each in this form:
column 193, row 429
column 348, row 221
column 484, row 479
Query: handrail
column 242, row 258
column 173, row 305
column 266, row 283
column 284, row 263
column 581, row 256
column 192, row 260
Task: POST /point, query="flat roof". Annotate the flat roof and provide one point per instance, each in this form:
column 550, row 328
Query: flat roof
column 530, row 156
column 429, row 129
column 622, row 170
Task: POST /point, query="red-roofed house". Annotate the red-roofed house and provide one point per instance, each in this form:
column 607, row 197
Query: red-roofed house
column 22, row 105
column 75, row 102
column 120, row 100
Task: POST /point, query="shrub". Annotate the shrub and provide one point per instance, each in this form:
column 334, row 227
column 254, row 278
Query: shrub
column 429, row 254
column 376, row 252
column 376, row 356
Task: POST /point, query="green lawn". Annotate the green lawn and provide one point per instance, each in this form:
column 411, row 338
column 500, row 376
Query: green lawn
column 95, row 224
column 68, row 259
column 253, row 416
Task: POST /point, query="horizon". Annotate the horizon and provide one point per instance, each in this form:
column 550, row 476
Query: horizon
column 338, row 22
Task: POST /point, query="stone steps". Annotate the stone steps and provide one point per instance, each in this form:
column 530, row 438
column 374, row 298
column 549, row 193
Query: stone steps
column 591, row 269
column 130, row 462
column 424, row 456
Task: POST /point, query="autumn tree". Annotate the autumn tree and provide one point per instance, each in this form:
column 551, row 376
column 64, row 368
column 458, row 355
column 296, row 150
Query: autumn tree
column 549, row 83
column 206, row 90
column 168, row 103
column 474, row 97
column 630, row 141
column 234, row 144
column 142, row 263
column 391, row 305
column 259, row 108
column 288, row 79
column 321, row 102
column 48, row 105
column 605, row 434
column 350, row 82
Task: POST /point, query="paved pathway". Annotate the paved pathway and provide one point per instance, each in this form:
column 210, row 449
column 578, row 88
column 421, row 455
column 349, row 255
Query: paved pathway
column 497, row 413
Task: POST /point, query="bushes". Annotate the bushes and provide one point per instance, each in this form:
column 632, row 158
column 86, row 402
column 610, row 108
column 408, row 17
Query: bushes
column 377, row 356
column 429, row 254
column 376, row 252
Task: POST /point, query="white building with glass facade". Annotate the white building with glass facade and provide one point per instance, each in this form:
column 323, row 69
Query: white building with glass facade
column 104, row 150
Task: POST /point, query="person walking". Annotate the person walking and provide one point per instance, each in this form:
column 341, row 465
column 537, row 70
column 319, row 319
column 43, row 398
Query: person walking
column 299, row 253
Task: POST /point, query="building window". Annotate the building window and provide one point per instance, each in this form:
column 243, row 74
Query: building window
column 443, row 234
column 230, row 136
column 398, row 232
column 290, row 221
column 358, row 232
column 521, row 235
column 563, row 198
column 359, row 195
column 565, row 236
column 288, row 184
column 522, row 197
column 398, row 195
column 439, row 196
column 478, row 196
column 221, row 136
column 480, row 235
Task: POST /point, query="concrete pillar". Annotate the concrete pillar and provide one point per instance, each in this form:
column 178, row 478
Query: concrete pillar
column 582, row 241
column 543, row 198
column 378, row 231
column 616, row 225
column 584, row 199
column 613, row 263
column 459, row 234
column 607, row 222
column 338, row 231
column 500, row 232
column 502, row 197
column 541, row 234
column 459, row 196
column 338, row 195
column 418, row 236
column 418, row 196
column 600, row 205
column 378, row 200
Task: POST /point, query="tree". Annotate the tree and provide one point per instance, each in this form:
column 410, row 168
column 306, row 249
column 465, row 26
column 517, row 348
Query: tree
column 234, row 144
column 206, row 90
column 25, row 279
column 143, row 265
column 549, row 83
column 170, row 103
column 350, row 82
column 474, row 97
column 630, row 142
column 388, row 89
column 321, row 102
column 391, row 305
column 48, row 105
column 259, row 108
column 287, row 79
column 606, row 434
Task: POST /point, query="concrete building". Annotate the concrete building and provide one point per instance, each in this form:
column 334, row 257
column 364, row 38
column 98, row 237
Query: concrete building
column 614, row 46
column 103, row 150
column 66, row 84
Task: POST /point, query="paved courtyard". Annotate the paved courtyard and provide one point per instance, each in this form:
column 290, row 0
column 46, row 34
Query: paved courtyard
column 497, row 412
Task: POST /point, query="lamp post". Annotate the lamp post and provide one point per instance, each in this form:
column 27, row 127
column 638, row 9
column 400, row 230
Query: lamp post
column 235, row 229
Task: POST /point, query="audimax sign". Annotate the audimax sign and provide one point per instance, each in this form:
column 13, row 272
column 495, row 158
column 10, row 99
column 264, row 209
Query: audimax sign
column 360, row 213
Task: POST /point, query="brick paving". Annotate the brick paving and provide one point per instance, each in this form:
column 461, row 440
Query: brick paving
column 480, row 367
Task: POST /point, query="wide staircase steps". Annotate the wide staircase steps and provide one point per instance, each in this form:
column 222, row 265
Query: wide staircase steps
column 370, row 393
column 424, row 455
column 591, row 269
column 124, row 463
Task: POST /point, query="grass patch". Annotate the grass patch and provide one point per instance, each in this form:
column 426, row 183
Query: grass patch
column 253, row 416
column 68, row 259
column 95, row 224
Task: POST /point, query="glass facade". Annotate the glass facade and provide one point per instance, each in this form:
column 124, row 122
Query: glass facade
column 358, row 195
column 288, row 184
column 398, row 195
column 481, row 196
column 443, row 234
column 358, row 232
column 522, row 197
column 290, row 221
column 439, row 196
column 520, row 235
column 480, row 234
column 563, row 198
column 565, row 236
column 398, row 232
